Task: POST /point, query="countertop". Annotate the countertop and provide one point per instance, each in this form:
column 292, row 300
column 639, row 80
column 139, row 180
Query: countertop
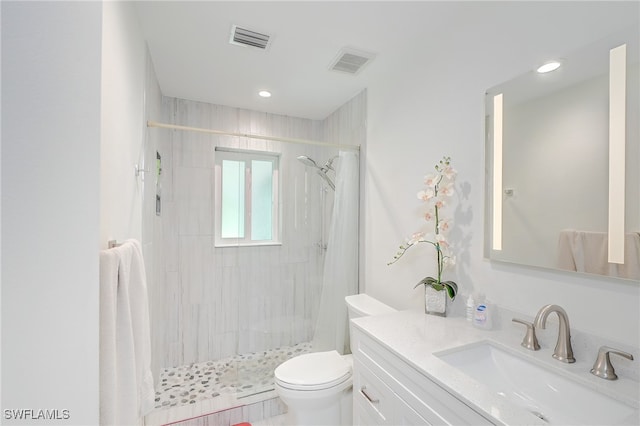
column 415, row 337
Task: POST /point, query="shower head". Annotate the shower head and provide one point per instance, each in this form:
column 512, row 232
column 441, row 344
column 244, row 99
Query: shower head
column 329, row 164
column 322, row 171
column 307, row 161
column 327, row 179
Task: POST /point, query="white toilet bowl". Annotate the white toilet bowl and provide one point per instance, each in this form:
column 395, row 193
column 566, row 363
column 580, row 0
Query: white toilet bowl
column 317, row 387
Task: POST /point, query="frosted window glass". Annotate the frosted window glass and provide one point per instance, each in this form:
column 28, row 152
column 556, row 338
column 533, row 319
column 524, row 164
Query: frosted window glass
column 261, row 200
column 232, row 199
column 246, row 198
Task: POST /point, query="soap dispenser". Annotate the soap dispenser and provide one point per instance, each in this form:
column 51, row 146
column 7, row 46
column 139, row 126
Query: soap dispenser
column 482, row 316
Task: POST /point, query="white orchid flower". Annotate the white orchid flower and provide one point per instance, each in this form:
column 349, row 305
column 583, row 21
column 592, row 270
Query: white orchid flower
column 445, row 225
column 415, row 238
column 429, row 215
column 449, row 172
column 439, row 186
column 446, row 190
column 431, row 180
column 426, row 195
column 442, row 240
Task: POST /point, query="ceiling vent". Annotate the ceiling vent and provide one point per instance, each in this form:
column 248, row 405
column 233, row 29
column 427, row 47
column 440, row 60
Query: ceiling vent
column 244, row 37
column 351, row 61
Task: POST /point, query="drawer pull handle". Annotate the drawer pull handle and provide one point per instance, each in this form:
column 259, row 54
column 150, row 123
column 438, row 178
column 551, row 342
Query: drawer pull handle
column 363, row 391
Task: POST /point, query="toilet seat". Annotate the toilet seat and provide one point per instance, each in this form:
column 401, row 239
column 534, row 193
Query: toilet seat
column 314, row 371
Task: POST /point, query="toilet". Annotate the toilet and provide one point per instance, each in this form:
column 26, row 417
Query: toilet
column 316, row 387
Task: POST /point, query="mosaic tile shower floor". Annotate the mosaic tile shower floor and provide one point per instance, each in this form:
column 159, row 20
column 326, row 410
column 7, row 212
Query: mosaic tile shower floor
column 242, row 375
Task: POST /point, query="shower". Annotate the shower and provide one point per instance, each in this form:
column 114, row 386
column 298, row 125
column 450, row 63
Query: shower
column 322, row 171
column 224, row 316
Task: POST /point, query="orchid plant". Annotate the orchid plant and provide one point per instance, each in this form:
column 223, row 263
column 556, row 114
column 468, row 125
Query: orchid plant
column 439, row 187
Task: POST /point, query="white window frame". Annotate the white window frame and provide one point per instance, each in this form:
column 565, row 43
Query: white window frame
column 247, row 156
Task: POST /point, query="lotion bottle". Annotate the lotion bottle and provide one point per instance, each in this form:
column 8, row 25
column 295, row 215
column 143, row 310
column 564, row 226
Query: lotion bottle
column 482, row 316
column 471, row 307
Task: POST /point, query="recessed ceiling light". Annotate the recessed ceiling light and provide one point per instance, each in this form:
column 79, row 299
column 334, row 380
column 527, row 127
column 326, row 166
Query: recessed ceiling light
column 264, row 93
column 548, row 67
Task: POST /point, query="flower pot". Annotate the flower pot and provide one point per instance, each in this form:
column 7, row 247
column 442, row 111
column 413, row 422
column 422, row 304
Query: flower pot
column 435, row 302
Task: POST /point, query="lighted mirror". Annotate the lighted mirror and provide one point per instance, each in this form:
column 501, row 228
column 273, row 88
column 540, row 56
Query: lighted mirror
column 563, row 160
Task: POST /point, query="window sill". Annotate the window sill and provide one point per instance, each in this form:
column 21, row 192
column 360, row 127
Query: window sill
column 257, row 244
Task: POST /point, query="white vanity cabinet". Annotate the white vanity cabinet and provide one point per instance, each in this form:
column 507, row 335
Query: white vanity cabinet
column 388, row 391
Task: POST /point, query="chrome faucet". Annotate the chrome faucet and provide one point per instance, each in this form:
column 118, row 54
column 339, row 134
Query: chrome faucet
column 563, row 351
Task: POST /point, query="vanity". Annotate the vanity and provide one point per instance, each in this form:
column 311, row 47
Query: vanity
column 548, row 137
column 417, row 369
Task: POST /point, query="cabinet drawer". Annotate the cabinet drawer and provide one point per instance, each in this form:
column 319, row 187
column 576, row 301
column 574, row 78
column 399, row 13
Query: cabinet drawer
column 372, row 400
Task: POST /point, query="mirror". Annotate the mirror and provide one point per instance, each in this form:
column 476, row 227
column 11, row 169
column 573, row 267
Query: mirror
column 547, row 193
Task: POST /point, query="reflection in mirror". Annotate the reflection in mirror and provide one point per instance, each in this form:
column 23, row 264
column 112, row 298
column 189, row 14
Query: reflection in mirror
column 548, row 199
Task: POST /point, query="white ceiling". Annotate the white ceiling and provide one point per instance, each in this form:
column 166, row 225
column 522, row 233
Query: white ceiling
column 193, row 59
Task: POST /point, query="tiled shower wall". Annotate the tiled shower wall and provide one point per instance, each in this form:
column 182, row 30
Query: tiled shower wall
column 206, row 302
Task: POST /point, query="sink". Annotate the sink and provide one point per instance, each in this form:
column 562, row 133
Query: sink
column 555, row 399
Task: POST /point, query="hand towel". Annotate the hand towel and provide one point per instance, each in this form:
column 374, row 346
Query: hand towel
column 586, row 251
column 117, row 354
column 126, row 382
column 566, row 260
column 139, row 303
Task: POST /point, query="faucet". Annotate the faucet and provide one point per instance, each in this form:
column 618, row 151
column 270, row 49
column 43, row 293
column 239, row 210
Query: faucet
column 602, row 367
column 563, row 351
column 530, row 341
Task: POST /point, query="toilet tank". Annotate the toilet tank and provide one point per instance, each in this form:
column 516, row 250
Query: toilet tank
column 362, row 305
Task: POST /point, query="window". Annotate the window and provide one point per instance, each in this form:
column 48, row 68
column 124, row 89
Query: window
column 246, row 197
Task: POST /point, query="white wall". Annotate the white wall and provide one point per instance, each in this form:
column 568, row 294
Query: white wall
column 73, row 103
column 123, row 124
column 51, row 56
column 436, row 107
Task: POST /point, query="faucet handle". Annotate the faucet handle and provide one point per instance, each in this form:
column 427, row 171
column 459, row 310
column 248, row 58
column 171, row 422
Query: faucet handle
column 602, row 367
column 530, row 341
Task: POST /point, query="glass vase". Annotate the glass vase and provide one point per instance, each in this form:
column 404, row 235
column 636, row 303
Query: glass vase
column 435, row 302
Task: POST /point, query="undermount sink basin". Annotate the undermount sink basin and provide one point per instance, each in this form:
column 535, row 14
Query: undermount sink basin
column 555, row 399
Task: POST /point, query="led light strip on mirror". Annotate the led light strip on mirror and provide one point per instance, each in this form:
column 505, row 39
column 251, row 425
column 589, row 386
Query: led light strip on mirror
column 497, row 172
column 617, row 140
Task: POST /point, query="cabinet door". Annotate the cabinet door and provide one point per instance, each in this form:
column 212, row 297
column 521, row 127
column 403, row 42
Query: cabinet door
column 364, row 415
column 373, row 401
column 407, row 416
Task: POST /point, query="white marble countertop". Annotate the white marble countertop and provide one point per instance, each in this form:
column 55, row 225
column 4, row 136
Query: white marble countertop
column 415, row 337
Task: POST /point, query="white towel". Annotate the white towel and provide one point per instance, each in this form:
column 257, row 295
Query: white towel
column 585, row 251
column 126, row 382
column 631, row 267
column 139, row 304
column 566, row 258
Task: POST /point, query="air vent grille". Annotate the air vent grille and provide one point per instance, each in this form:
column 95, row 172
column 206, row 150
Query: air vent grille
column 245, row 37
column 351, row 61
